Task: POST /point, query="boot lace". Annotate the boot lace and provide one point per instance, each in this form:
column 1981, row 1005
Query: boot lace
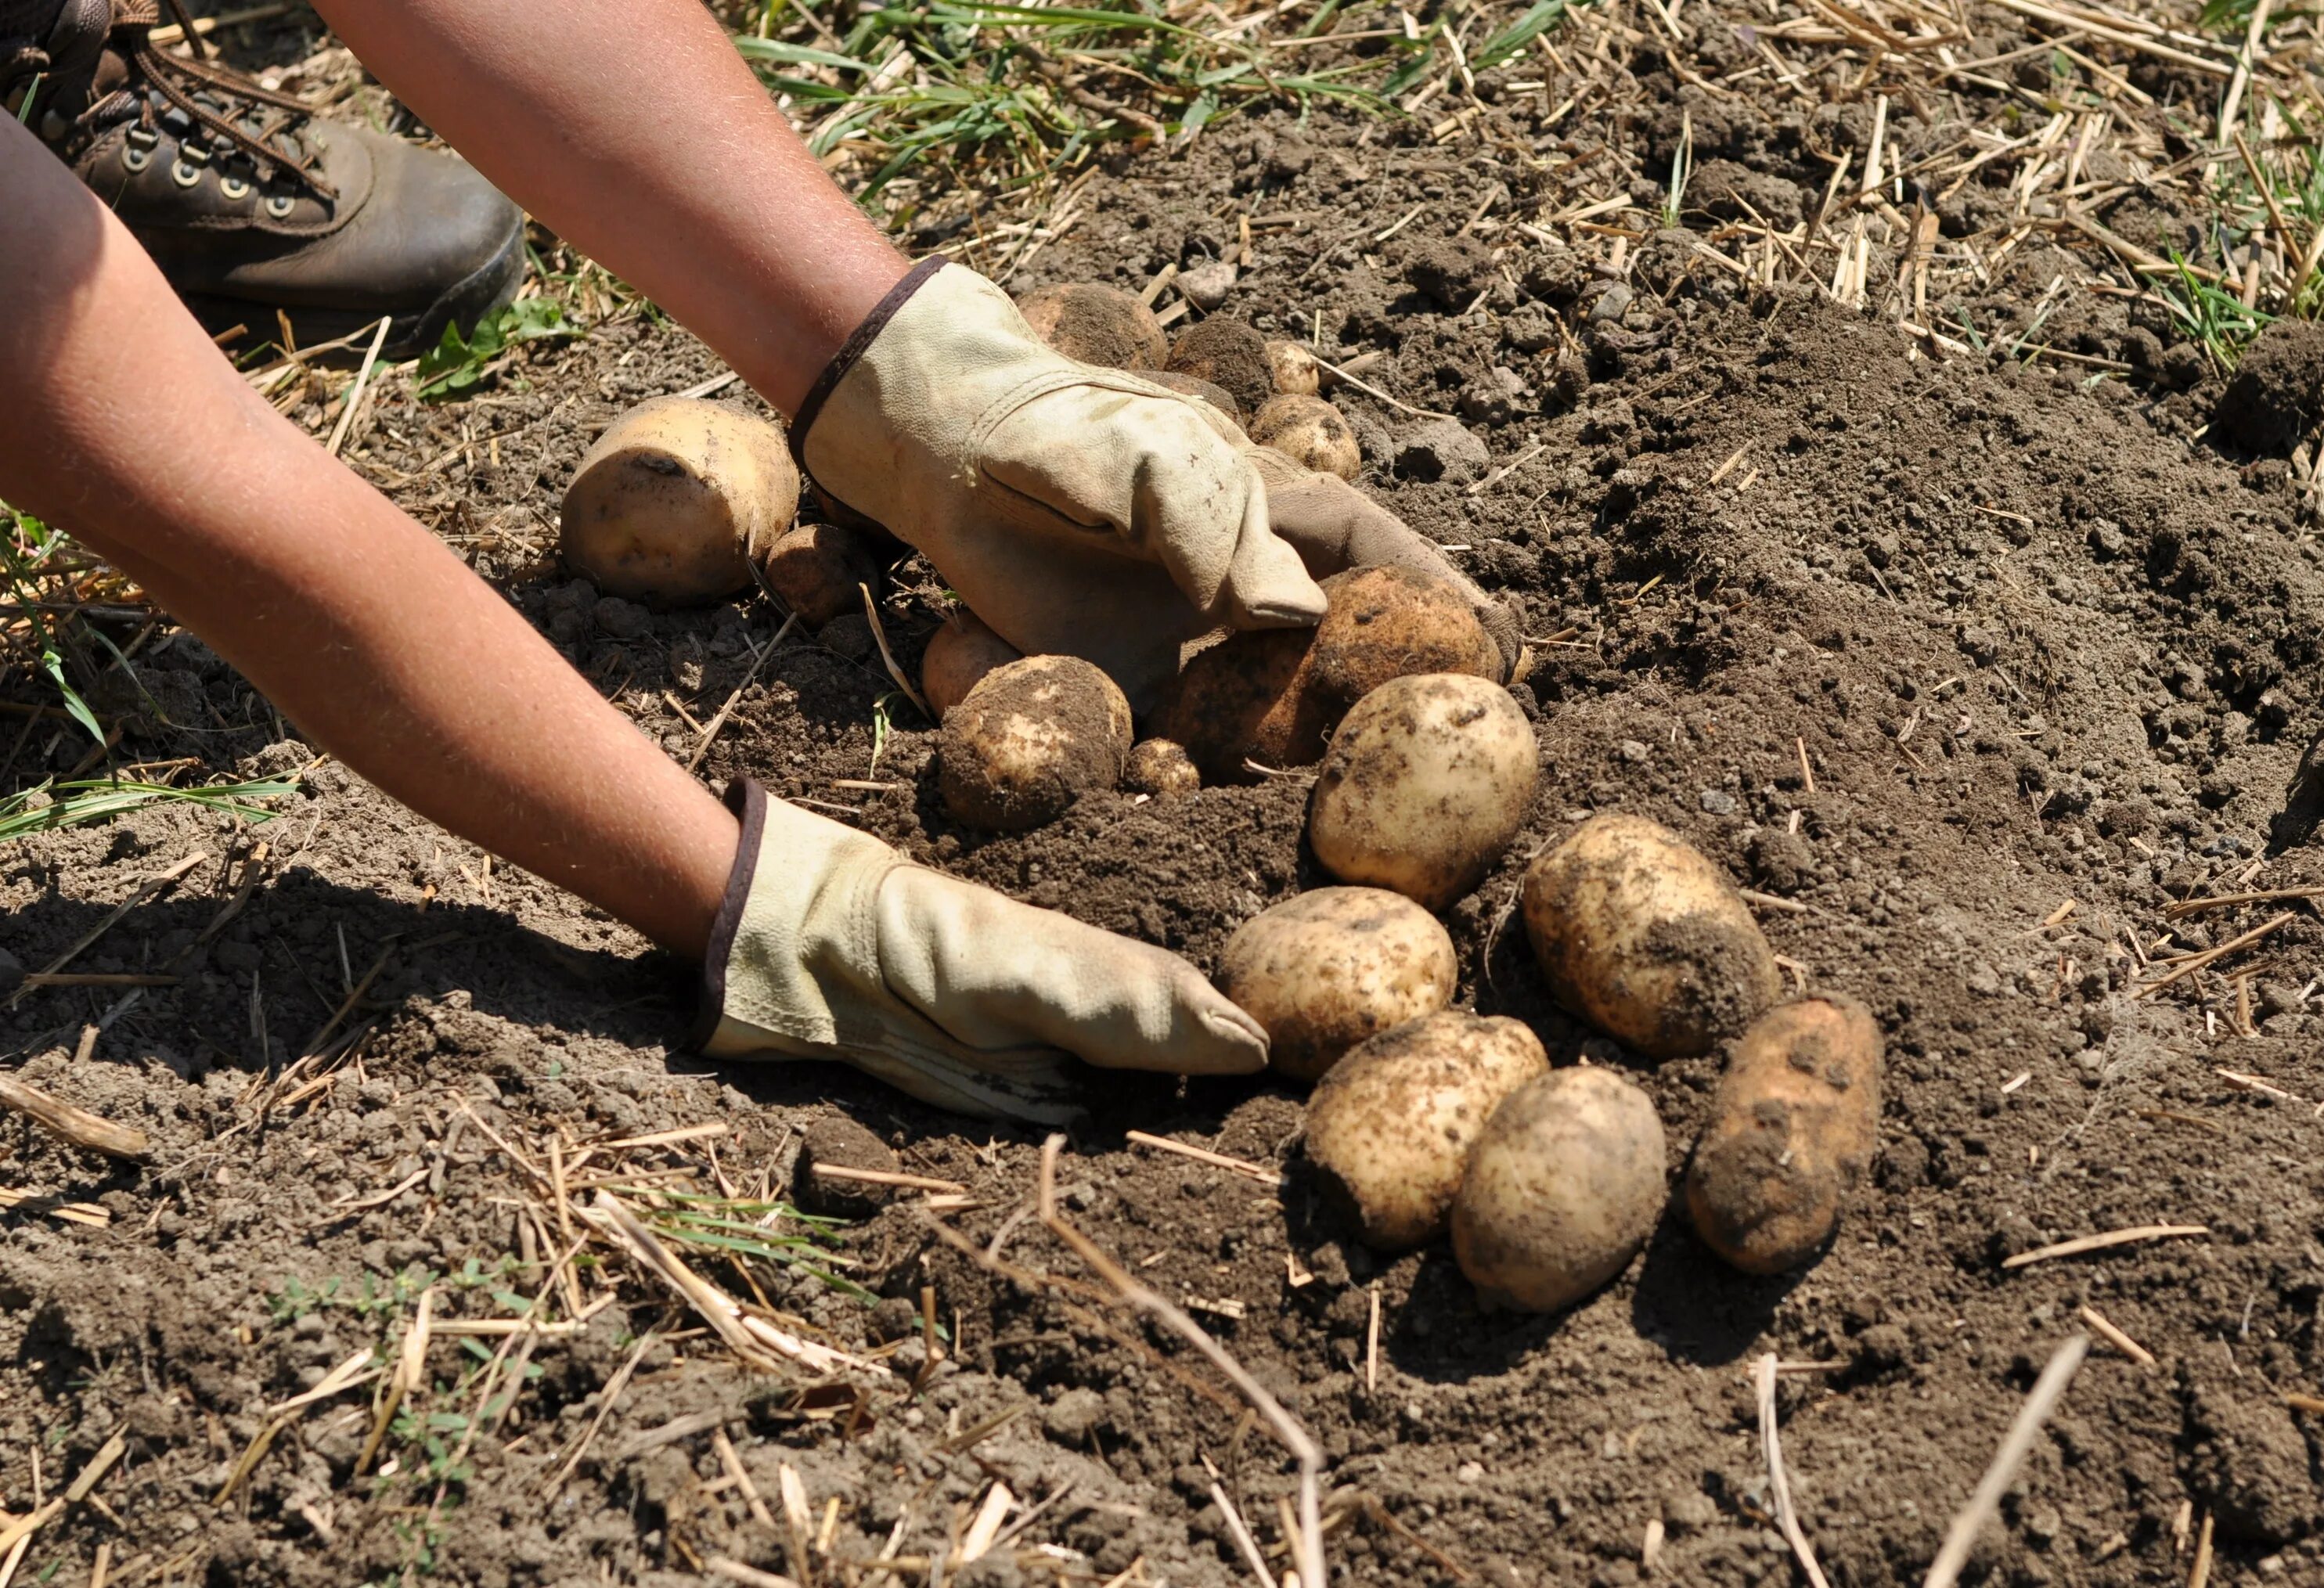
column 184, row 82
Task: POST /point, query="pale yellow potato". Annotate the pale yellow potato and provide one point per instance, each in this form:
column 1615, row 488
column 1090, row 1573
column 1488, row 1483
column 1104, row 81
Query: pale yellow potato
column 1311, row 433
column 1327, row 970
column 1646, row 939
column 1793, row 1132
column 820, row 571
column 1292, row 369
column 1564, row 1186
column 1390, row 1127
column 674, row 500
column 1426, row 781
column 1160, row 767
column 1031, row 738
column 958, row 656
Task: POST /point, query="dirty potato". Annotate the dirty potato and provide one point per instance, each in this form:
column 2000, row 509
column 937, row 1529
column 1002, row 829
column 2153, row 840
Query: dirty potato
column 1250, row 697
column 1292, row 370
column 1387, row 623
column 1324, row 971
column 1210, row 391
column 1096, row 324
column 1646, row 938
column 1563, row 1187
column 1031, row 738
column 1226, row 353
column 959, row 654
column 1426, row 782
column 674, row 500
column 819, row 572
column 1791, row 1136
column 1392, row 1126
column 1311, row 433
column 1160, row 767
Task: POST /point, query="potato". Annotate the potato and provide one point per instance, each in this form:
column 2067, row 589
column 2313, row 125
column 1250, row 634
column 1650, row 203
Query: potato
column 1096, row 324
column 1248, row 697
column 1645, row 938
column 959, row 654
column 1292, row 370
column 674, row 500
column 1426, row 781
column 1793, row 1131
column 1564, row 1186
column 1392, row 1126
column 1226, row 353
column 1311, row 433
column 1209, row 391
column 1387, row 623
column 1031, row 738
column 1329, row 969
column 816, row 571
column 1159, row 766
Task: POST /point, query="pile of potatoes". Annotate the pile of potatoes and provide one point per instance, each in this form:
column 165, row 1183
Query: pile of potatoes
column 1426, row 1121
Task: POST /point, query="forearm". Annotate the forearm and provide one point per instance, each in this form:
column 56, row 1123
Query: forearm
column 640, row 135
column 123, row 424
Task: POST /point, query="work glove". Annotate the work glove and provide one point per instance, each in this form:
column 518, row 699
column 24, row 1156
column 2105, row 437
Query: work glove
column 1077, row 510
column 830, row 944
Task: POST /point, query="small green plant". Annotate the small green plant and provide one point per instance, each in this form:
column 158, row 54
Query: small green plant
column 456, row 363
column 763, row 1229
column 2211, row 316
column 77, row 801
column 29, row 551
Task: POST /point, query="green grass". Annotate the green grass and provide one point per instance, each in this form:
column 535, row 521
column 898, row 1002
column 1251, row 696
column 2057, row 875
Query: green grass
column 457, row 363
column 2208, row 315
column 48, row 806
column 29, row 553
column 965, row 80
column 771, row 1232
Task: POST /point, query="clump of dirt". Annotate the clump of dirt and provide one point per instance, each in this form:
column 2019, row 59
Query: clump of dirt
column 2276, row 399
column 1978, row 670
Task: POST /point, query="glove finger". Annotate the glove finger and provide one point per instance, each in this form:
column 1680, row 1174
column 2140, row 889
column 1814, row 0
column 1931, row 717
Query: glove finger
column 1149, row 466
column 996, row 975
column 1335, row 527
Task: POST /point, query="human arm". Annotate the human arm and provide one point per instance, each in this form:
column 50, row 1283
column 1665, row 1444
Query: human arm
column 123, row 424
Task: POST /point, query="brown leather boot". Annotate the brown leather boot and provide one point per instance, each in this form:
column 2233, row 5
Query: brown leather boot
column 247, row 203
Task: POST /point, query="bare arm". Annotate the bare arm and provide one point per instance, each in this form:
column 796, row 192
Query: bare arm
column 122, row 423
column 638, row 134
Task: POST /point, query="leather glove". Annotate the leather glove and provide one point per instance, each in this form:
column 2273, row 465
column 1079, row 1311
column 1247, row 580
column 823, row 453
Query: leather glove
column 830, row 944
column 1076, row 509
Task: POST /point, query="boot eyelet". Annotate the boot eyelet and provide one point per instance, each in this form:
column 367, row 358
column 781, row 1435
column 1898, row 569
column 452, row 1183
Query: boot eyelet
column 134, row 159
column 279, row 207
column 234, row 186
column 184, row 175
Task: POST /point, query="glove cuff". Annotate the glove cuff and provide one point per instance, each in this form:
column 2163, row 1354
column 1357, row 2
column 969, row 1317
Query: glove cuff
column 859, row 341
column 748, row 801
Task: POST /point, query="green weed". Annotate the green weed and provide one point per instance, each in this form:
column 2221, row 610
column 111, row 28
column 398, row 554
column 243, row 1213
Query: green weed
column 48, row 806
column 456, row 363
column 2211, row 316
column 772, row 1231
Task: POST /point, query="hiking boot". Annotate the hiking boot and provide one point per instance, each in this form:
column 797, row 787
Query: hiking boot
column 249, row 204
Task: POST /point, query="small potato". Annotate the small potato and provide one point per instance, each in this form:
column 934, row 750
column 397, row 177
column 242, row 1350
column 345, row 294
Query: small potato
column 1791, row 1136
column 1387, row 623
column 1292, row 370
column 1250, row 697
column 1644, row 937
column 959, row 654
column 1311, row 433
column 674, row 500
column 1563, row 1187
column 1096, row 324
column 1392, row 1125
column 1329, row 969
column 1031, row 738
column 1160, row 767
column 1425, row 783
column 1226, row 353
column 815, row 570
column 1209, row 391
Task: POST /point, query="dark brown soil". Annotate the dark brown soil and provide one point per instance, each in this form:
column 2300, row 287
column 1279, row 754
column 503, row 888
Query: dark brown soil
column 1977, row 665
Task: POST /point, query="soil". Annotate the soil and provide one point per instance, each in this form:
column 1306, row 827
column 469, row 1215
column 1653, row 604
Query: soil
column 1970, row 665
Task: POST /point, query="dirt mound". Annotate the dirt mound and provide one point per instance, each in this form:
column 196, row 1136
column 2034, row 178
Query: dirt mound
column 2276, row 399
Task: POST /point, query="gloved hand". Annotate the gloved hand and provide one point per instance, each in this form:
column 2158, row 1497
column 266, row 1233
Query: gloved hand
column 1076, row 509
column 830, row 944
